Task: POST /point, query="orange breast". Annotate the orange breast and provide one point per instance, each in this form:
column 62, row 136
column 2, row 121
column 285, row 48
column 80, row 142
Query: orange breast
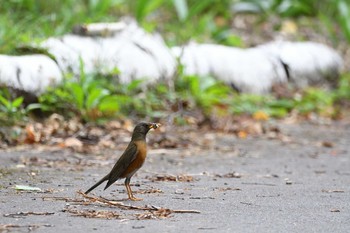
column 139, row 160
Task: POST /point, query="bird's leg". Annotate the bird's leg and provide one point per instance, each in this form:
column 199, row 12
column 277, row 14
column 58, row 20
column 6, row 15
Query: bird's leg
column 128, row 189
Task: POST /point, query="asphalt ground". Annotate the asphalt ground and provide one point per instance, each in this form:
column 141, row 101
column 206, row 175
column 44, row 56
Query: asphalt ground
column 257, row 184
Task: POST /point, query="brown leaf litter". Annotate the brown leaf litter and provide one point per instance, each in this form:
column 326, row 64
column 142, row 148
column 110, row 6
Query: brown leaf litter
column 173, row 178
column 71, row 134
column 149, row 212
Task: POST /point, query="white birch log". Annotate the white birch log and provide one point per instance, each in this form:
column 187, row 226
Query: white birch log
column 136, row 53
column 30, row 73
column 255, row 70
column 308, row 62
column 141, row 55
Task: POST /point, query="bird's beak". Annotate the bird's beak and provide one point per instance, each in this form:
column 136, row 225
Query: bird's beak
column 154, row 125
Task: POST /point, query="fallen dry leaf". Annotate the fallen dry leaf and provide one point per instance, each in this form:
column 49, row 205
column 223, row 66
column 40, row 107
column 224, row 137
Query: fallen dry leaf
column 166, row 177
column 157, row 214
column 260, row 116
column 88, row 213
column 327, row 144
column 128, row 125
column 228, row 189
column 33, row 133
column 229, row 175
column 149, row 191
column 106, row 144
column 73, row 143
column 242, row 134
column 113, row 125
column 72, row 126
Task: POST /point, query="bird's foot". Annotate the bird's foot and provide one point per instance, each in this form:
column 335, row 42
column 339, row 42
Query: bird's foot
column 132, row 198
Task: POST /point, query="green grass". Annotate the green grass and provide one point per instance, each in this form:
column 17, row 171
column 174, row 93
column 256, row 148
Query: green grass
column 97, row 97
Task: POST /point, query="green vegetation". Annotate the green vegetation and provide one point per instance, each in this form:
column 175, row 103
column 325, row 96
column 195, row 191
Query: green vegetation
column 96, row 97
column 88, row 98
column 93, row 99
column 12, row 110
column 332, row 13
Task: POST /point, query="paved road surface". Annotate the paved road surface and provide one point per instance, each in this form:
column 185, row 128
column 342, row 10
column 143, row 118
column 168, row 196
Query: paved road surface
column 250, row 185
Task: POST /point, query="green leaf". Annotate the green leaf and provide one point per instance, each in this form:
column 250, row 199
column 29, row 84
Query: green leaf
column 181, row 9
column 198, row 7
column 109, row 104
column 134, row 85
column 94, row 97
column 145, row 7
column 5, row 102
column 78, row 95
column 17, row 102
column 344, row 15
column 282, row 103
column 33, row 106
column 277, row 112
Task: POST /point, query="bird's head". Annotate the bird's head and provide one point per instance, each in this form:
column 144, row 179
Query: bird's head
column 141, row 129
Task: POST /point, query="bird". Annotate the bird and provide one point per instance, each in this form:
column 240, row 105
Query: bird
column 130, row 161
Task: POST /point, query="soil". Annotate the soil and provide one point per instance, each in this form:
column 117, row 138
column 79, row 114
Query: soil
column 296, row 183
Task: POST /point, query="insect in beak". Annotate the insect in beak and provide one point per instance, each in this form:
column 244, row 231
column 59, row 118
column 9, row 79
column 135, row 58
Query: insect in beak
column 154, row 125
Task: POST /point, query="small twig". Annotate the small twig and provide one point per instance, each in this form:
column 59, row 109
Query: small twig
column 132, row 207
column 19, row 214
column 333, row 191
column 264, row 184
column 7, row 226
column 186, row 211
column 112, row 203
column 93, row 213
column 67, row 199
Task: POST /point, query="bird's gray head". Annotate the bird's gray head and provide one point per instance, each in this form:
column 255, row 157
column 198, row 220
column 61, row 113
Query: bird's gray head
column 141, row 129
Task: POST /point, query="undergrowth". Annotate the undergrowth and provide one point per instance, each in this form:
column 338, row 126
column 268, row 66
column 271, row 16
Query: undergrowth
column 96, row 97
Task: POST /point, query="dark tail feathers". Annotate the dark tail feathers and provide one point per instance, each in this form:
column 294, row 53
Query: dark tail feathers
column 97, row 184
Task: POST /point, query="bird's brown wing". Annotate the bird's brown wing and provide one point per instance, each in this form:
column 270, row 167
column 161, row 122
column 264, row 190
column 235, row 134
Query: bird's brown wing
column 122, row 164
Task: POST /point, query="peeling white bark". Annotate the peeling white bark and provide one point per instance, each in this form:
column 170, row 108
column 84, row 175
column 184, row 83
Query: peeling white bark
column 140, row 55
column 255, row 70
column 308, row 62
column 137, row 54
column 31, row 73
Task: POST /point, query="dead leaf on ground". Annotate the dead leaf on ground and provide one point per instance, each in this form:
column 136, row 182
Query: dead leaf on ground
column 128, row 125
column 89, row 213
column 173, row 178
column 327, row 144
column 150, row 212
column 157, row 214
column 33, row 133
column 147, row 191
column 242, row 134
column 106, row 144
column 260, row 116
column 227, row 189
column 172, row 140
column 73, row 143
column 229, row 175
